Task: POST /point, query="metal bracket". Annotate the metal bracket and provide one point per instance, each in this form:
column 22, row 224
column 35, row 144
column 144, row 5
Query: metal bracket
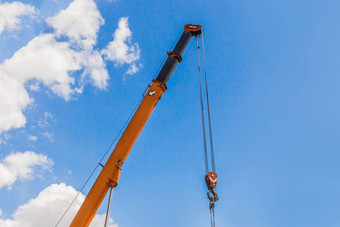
column 175, row 55
column 143, row 94
column 111, row 183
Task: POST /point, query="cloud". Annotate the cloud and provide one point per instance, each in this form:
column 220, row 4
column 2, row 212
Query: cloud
column 43, row 59
column 43, row 122
column 22, row 166
column 80, row 22
column 49, row 62
column 14, row 99
column 34, row 87
column 32, row 138
column 4, row 137
column 60, row 195
column 11, row 15
column 96, row 68
column 49, row 136
column 62, row 61
column 46, row 60
column 133, row 69
column 121, row 51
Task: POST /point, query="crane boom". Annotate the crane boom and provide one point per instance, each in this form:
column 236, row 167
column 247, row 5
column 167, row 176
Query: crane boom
column 109, row 176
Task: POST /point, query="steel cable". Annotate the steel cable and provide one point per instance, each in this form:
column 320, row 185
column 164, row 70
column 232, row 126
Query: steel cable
column 108, row 208
column 202, row 110
column 212, row 202
column 208, row 108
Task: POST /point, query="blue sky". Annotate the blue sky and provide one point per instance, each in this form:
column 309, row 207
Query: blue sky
column 273, row 71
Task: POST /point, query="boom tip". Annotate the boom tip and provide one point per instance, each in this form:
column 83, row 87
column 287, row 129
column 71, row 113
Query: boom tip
column 196, row 29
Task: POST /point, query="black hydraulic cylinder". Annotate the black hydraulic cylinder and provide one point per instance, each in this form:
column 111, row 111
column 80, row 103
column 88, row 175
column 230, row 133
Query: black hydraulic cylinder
column 175, row 56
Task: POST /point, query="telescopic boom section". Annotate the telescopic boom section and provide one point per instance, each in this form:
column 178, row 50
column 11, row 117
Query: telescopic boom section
column 109, row 176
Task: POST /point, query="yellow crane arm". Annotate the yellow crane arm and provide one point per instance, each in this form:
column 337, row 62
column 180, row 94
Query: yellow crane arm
column 109, row 176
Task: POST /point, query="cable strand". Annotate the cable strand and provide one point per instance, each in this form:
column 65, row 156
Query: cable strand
column 202, row 110
column 208, row 108
column 108, row 208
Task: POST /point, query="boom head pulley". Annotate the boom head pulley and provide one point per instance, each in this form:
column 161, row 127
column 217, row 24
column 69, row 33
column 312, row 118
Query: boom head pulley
column 195, row 29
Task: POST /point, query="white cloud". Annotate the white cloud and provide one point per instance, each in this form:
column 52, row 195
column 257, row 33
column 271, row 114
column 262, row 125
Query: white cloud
column 133, row 69
column 96, row 68
column 121, row 50
column 14, row 99
column 4, row 137
column 46, row 60
column 56, row 65
column 60, row 195
column 34, row 87
column 43, row 59
column 32, row 138
column 44, row 121
column 21, row 166
column 80, row 22
column 49, row 136
column 11, row 15
column 48, row 115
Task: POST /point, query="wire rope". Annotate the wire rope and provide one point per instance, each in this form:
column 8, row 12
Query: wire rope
column 208, row 109
column 108, row 208
column 202, row 110
column 214, row 198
